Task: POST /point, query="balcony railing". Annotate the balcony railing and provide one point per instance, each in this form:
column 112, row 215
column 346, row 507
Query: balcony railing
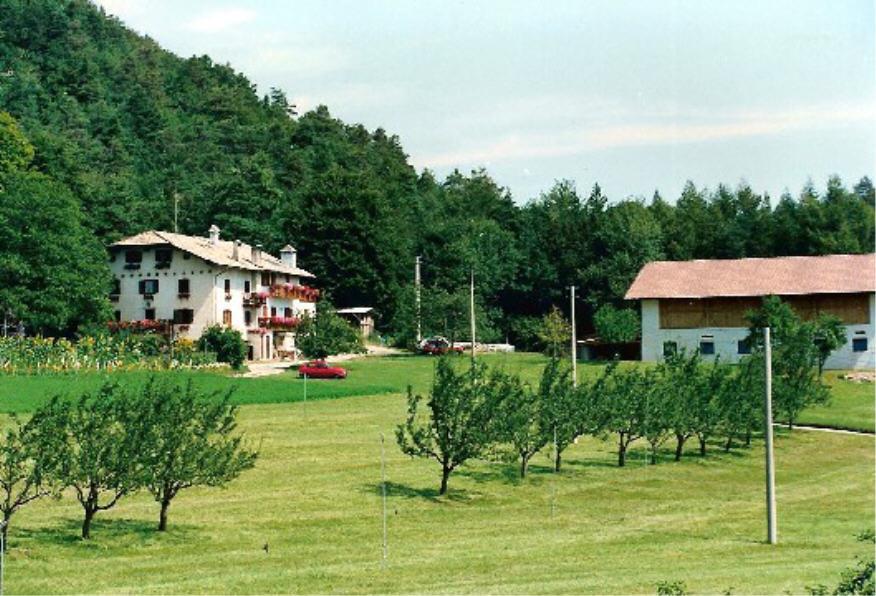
column 253, row 300
column 295, row 292
column 281, row 323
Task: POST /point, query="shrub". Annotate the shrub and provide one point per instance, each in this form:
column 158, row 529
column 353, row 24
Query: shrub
column 227, row 344
column 616, row 325
column 327, row 333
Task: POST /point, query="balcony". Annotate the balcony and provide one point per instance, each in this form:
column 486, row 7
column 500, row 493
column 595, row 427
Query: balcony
column 254, row 300
column 279, row 323
column 294, row 292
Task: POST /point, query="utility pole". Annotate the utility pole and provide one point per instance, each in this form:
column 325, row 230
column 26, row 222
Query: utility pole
column 574, row 340
column 417, row 297
column 175, row 212
column 472, row 310
column 768, row 435
column 383, row 491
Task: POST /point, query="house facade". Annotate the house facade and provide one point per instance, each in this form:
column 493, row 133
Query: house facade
column 701, row 305
column 184, row 284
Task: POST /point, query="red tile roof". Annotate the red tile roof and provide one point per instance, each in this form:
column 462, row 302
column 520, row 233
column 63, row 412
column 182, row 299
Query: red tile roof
column 831, row 274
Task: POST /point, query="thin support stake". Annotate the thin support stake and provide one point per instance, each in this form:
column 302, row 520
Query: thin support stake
column 772, row 537
column 383, row 490
column 574, row 339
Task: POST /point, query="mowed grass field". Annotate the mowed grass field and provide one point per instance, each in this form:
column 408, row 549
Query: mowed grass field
column 314, row 499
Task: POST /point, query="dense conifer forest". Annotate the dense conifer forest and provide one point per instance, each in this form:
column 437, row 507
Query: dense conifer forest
column 102, row 131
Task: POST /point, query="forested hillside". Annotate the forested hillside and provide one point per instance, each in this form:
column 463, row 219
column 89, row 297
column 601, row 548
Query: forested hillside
column 110, row 130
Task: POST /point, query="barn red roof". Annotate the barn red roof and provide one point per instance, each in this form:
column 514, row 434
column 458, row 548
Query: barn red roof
column 831, row 274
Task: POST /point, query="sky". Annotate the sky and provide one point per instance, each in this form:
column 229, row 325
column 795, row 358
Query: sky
column 634, row 95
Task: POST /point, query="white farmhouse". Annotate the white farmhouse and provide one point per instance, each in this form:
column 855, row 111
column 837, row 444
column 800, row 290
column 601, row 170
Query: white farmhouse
column 188, row 283
column 701, row 305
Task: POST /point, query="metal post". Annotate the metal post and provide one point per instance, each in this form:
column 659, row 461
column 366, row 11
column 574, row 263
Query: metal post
column 383, row 489
column 417, row 295
column 2, row 555
column 574, row 340
column 305, row 395
column 768, row 435
column 472, row 309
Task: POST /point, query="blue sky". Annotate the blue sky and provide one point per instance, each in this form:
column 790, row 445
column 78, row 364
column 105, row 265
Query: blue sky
column 635, row 95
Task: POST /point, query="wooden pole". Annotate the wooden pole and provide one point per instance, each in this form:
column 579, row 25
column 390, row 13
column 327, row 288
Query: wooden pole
column 574, row 340
column 417, row 297
column 471, row 307
column 768, row 435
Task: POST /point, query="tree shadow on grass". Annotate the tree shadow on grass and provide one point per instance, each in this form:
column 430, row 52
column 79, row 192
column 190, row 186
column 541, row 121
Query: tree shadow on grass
column 103, row 532
column 396, row 489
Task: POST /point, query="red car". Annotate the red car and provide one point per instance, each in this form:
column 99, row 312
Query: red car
column 320, row 369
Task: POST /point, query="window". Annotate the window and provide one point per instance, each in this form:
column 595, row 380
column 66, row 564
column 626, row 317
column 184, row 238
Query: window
column 183, row 316
column 247, row 317
column 287, row 312
column 163, row 256
column 227, row 289
column 859, row 344
column 150, row 314
column 246, row 286
column 182, row 287
column 273, row 311
column 707, row 347
column 226, row 318
column 148, row 287
column 117, row 315
column 266, row 279
column 116, row 289
column 186, row 256
column 743, row 347
column 133, row 258
column 670, row 348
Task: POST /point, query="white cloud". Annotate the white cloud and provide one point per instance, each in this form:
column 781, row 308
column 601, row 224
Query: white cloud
column 221, row 19
column 636, row 129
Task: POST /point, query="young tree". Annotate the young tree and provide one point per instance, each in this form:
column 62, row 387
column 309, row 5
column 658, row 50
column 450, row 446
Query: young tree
column 561, row 409
column 679, row 380
column 830, row 335
column 190, row 441
column 327, row 333
column 460, row 419
column 99, row 448
column 707, row 413
column 659, row 403
column 616, row 325
column 519, row 422
column 24, row 454
column 555, row 334
column 740, row 400
column 622, row 408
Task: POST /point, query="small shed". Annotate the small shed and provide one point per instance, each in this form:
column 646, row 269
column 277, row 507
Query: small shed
column 360, row 316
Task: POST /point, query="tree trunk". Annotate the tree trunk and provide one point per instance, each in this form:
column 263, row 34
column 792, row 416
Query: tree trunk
column 524, row 461
column 621, row 452
column 557, row 461
column 445, row 475
column 729, row 442
column 748, row 438
column 86, row 523
column 702, row 446
column 162, row 517
column 653, row 459
column 679, row 446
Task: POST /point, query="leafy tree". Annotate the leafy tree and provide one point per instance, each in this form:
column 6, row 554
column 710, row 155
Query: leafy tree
column 16, row 152
column 615, row 325
column 100, row 439
column 563, row 408
column 830, row 335
column 459, row 425
column 190, row 441
column 327, row 333
column 707, row 402
column 555, row 334
column 679, row 378
column 519, row 422
column 623, row 408
column 227, row 343
column 24, row 456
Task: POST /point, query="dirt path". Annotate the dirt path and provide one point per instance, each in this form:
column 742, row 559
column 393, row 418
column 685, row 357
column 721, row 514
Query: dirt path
column 824, row 429
column 266, row 368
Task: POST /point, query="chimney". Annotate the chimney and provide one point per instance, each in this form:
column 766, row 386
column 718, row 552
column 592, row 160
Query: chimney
column 236, row 251
column 289, row 256
column 214, row 234
column 257, row 254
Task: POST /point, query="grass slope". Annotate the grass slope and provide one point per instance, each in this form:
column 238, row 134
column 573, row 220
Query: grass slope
column 852, row 405
column 314, row 499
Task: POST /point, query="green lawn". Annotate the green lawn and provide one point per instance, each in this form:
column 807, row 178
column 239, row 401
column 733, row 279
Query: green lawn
column 852, row 405
column 314, row 499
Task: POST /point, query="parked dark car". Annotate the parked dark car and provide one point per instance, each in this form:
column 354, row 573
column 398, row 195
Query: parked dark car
column 438, row 346
column 320, row 369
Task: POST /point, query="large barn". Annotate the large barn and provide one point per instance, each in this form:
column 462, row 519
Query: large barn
column 701, row 305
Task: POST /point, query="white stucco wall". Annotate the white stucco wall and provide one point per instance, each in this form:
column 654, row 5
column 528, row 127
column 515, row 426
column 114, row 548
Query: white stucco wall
column 726, row 340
